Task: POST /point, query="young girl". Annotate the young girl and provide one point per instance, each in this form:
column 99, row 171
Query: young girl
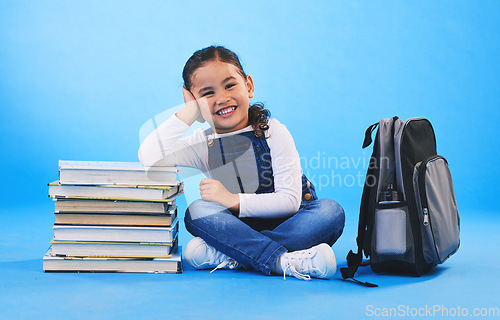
column 257, row 209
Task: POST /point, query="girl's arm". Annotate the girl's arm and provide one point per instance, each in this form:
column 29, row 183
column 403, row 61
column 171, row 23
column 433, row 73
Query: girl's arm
column 287, row 175
column 164, row 146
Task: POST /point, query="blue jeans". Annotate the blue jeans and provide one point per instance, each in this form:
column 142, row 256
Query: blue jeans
column 317, row 221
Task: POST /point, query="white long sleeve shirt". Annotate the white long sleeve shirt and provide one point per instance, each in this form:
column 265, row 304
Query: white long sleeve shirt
column 165, row 147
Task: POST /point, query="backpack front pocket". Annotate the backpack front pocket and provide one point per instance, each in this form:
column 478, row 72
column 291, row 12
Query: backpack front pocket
column 437, row 209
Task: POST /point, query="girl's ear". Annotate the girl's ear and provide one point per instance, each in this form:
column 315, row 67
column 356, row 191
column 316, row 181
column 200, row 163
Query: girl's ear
column 250, row 87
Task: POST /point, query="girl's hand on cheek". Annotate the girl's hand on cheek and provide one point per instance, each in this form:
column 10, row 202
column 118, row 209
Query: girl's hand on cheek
column 192, row 104
column 213, row 191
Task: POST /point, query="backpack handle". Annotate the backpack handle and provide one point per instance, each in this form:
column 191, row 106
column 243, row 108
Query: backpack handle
column 368, row 135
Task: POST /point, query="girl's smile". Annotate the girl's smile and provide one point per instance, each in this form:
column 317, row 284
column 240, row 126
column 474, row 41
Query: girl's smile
column 226, row 112
column 227, row 93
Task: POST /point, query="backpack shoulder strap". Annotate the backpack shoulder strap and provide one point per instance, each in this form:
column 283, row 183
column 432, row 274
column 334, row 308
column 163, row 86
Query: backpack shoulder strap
column 354, row 259
column 383, row 149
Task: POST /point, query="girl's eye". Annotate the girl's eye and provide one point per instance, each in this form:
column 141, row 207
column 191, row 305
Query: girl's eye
column 207, row 93
column 230, row 85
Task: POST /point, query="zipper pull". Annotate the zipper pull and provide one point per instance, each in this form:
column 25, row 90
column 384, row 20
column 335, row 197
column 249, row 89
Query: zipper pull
column 426, row 217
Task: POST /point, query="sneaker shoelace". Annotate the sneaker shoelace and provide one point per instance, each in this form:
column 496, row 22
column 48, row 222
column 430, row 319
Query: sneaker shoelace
column 299, row 264
column 232, row 264
column 220, row 259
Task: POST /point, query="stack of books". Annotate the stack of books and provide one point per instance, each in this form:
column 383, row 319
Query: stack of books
column 114, row 216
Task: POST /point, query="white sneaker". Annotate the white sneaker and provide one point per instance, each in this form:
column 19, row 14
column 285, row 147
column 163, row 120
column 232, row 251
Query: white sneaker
column 202, row 256
column 318, row 262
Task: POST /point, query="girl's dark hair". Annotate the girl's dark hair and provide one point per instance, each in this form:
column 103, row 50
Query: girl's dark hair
column 258, row 116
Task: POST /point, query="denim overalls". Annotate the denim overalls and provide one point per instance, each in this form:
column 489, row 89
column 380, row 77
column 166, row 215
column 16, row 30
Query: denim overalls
column 242, row 163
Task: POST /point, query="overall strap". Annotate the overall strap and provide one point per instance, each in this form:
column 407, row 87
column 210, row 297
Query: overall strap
column 241, row 162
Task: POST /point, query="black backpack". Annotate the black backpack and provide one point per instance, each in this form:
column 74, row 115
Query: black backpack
column 408, row 220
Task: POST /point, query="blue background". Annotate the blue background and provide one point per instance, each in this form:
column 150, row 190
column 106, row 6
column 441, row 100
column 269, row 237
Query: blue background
column 79, row 78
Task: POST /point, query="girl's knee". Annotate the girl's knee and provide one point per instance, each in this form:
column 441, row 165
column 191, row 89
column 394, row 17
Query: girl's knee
column 200, row 209
column 334, row 219
column 195, row 210
column 332, row 211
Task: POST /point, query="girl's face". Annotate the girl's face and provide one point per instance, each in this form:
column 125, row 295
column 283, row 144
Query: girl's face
column 227, row 93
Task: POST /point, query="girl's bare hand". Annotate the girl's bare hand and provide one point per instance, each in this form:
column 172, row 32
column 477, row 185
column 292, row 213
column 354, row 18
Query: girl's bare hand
column 191, row 103
column 213, row 191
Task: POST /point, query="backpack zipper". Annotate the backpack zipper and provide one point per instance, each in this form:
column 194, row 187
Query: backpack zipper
column 422, row 190
column 426, row 217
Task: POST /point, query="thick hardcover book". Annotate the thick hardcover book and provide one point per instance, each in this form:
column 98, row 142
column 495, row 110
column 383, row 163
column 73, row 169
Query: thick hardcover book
column 107, row 172
column 114, row 233
column 173, row 264
column 122, row 219
column 111, row 206
column 115, row 192
column 112, row 249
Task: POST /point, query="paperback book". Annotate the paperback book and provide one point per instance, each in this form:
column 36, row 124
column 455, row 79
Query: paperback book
column 173, row 264
column 112, row 206
column 122, row 219
column 115, row 192
column 109, row 172
column 113, row 249
column 115, row 233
